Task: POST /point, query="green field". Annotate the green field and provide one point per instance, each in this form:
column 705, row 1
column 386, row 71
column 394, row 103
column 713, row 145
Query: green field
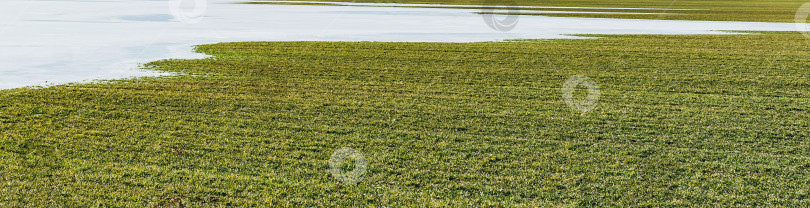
column 682, row 120
column 716, row 10
column 708, row 120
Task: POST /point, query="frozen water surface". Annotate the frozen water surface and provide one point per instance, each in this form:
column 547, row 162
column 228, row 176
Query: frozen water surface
column 60, row 41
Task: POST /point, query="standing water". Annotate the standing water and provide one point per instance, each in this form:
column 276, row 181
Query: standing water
column 59, row 41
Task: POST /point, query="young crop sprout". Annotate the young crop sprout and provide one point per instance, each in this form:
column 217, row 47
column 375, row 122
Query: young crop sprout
column 339, row 165
column 589, row 102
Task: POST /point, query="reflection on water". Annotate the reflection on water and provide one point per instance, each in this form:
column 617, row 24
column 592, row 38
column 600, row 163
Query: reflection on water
column 149, row 17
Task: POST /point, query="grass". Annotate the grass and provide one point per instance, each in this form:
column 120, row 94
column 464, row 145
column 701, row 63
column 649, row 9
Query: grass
column 714, row 10
column 706, row 120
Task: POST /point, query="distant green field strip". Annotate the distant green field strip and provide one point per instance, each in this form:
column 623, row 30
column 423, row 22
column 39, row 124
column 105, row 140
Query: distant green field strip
column 715, row 10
